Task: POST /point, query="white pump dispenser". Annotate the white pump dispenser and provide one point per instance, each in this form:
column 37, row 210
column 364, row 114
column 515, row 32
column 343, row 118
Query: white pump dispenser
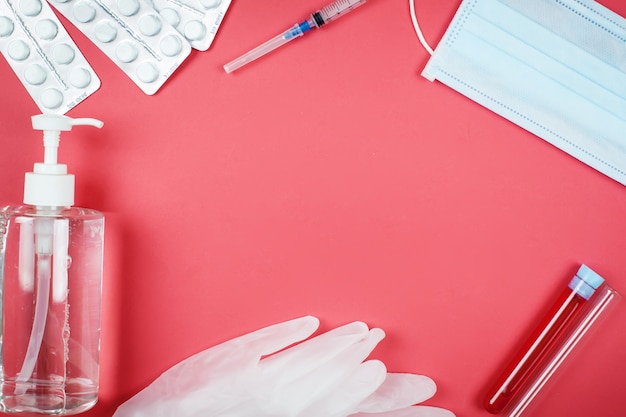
column 49, row 184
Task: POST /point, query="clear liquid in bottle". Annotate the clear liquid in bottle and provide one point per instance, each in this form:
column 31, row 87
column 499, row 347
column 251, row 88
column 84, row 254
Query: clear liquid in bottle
column 51, row 278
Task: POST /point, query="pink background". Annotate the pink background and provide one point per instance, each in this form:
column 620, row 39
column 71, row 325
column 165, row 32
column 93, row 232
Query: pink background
column 330, row 179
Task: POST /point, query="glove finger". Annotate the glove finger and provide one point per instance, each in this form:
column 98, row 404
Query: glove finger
column 250, row 347
column 284, row 387
column 415, row 411
column 328, row 373
column 311, row 354
column 399, row 391
column 340, row 401
column 243, row 351
column 216, row 370
column 304, row 389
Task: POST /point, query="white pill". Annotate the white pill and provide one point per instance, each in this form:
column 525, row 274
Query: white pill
column 147, row 72
column 128, row 7
column 84, row 12
column 150, row 25
column 51, row 98
column 80, row 77
column 171, row 16
column 18, row 50
column 46, row 29
column 6, row 27
column 126, row 52
column 171, row 45
column 30, row 7
column 63, row 53
column 194, row 30
column 35, row 74
column 105, row 32
column 210, row 4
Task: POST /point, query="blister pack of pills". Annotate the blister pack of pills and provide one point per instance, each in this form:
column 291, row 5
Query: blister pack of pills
column 133, row 35
column 44, row 56
column 197, row 20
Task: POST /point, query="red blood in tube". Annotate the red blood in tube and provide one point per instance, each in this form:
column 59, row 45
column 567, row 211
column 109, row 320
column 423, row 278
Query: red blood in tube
column 531, row 356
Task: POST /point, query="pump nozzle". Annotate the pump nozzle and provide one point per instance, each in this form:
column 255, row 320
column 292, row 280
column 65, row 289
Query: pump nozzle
column 49, row 184
column 61, row 123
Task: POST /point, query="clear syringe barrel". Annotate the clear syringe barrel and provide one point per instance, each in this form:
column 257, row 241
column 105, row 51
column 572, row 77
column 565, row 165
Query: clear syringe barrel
column 334, row 10
column 267, row 47
column 317, row 19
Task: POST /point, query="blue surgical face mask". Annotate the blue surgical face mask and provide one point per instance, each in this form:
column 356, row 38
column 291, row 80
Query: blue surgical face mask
column 554, row 67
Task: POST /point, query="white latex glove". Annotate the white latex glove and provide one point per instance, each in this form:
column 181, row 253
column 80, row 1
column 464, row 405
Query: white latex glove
column 322, row 377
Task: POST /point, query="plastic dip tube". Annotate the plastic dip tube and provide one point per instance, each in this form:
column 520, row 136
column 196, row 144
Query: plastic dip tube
column 573, row 315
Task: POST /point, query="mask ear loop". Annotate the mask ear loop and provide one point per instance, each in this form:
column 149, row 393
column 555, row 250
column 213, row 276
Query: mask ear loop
column 418, row 30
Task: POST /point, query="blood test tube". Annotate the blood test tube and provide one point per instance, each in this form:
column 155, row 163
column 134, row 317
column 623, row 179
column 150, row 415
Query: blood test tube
column 572, row 314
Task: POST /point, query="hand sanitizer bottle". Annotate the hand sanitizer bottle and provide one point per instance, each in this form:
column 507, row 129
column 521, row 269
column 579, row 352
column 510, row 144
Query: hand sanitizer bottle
column 50, row 278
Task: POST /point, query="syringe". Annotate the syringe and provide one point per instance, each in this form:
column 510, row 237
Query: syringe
column 317, row 19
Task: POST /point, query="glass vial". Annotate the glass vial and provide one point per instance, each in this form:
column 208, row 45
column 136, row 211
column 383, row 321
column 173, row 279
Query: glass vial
column 51, row 279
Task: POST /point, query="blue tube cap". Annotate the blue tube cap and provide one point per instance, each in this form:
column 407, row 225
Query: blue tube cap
column 589, row 276
column 585, row 282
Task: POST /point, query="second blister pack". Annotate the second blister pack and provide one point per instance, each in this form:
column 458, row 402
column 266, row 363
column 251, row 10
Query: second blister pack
column 44, row 56
column 197, row 20
column 133, row 35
